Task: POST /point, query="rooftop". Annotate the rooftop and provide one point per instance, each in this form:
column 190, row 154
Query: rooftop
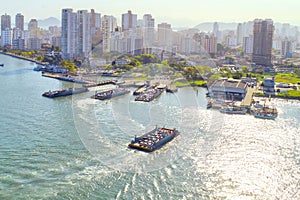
column 229, row 83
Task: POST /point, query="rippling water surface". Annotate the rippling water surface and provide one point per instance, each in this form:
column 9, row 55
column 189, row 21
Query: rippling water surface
column 76, row 147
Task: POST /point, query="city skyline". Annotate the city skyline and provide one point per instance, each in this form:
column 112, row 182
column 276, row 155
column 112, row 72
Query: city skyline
column 180, row 14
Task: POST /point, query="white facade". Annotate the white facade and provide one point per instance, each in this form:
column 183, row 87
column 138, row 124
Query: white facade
column 239, row 34
column 68, row 36
column 109, row 25
column 6, row 37
column 84, row 34
column 248, row 45
column 164, row 33
column 148, row 30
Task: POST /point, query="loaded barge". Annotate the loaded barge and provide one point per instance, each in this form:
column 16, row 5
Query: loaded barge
column 149, row 95
column 154, row 139
column 110, row 94
column 64, row 92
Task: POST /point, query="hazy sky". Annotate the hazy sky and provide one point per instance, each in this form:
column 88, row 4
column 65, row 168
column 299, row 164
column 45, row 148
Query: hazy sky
column 178, row 13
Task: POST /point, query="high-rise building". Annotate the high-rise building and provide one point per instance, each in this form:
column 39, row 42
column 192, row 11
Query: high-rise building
column 210, row 44
column 148, row 30
column 68, row 34
column 96, row 21
column 109, row 25
column 262, row 42
column 33, row 28
column 216, row 29
column 20, row 21
column 5, row 22
column 164, row 33
column 248, row 45
column 286, row 48
column 84, row 33
column 6, row 38
column 129, row 21
column 239, row 34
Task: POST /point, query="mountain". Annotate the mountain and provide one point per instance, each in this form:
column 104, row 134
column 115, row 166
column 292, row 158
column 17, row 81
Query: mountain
column 51, row 21
column 208, row 26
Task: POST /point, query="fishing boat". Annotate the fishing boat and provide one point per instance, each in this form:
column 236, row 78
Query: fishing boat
column 264, row 114
column 110, row 94
column 64, row 92
column 233, row 110
column 263, row 111
column 153, row 139
column 1, row 65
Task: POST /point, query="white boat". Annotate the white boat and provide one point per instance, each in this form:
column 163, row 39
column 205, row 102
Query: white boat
column 233, row 110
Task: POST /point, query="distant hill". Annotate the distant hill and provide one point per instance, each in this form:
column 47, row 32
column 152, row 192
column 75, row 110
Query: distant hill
column 51, row 21
column 208, row 26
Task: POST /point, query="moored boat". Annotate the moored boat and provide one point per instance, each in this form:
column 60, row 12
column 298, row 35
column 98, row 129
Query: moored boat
column 110, row 93
column 153, row 139
column 64, row 92
column 263, row 111
column 233, row 110
column 263, row 114
column 149, row 95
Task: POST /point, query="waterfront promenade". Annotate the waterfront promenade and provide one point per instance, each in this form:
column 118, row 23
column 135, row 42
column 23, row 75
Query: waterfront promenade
column 23, row 58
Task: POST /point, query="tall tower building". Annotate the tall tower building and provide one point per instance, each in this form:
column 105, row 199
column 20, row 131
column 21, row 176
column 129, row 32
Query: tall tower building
column 210, row 44
column 84, row 33
column 129, row 21
column 68, row 34
column 286, row 48
column 216, row 29
column 20, row 21
column 262, row 42
column 96, row 21
column 239, row 34
column 109, row 25
column 148, row 30
column 33, row 28
column 164, row 33
column 6, row 33
column 5, row 22
column 248, row 45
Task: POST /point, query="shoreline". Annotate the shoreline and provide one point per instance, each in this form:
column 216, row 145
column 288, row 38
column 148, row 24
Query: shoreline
column 277, row 97
column 23, row 58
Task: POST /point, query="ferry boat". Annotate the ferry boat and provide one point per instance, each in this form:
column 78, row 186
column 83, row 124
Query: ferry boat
column 233, row 110
column 64, row 92
column 110, row 93
column 153, row 139
column 149, row 95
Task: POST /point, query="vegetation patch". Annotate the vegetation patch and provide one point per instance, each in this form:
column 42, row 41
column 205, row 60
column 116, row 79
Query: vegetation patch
column 287, row 78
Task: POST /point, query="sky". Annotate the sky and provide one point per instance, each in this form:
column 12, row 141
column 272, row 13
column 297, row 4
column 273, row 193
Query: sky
column 179, row 13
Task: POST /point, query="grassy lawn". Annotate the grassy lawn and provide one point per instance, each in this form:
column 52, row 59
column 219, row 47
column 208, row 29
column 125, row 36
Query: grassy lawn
column 184, row 84
column 287, row 78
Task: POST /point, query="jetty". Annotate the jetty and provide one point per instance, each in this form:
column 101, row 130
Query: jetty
column 113, row 82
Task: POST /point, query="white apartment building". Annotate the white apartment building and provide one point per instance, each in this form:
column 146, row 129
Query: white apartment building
column 6, row 37
column 68, row 35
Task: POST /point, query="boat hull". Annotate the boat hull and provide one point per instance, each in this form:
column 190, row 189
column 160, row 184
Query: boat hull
column 66, row 92
column 110, row 94
column 154, row 139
